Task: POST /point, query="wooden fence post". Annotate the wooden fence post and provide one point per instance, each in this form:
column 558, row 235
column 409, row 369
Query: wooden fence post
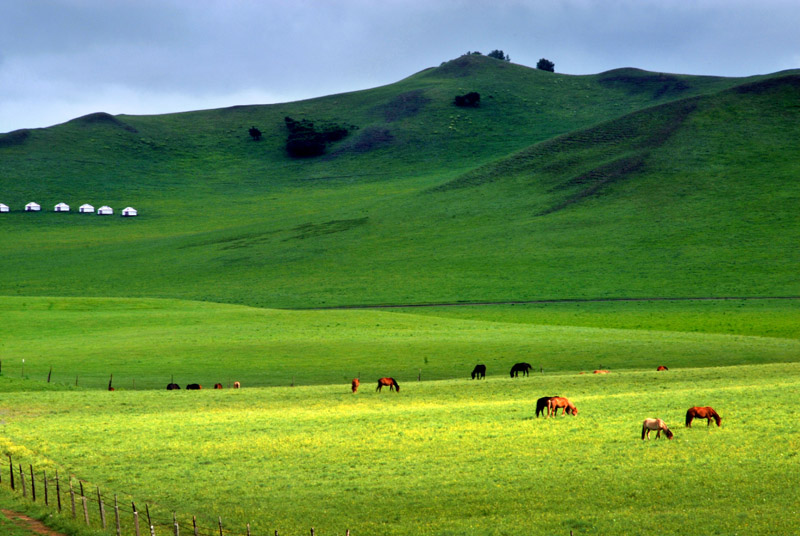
column 11, row 470
column 152, row 530
column 135, row 519
column 248, row 529
column 33, row 484
column 175, row 524
column 194, row 524
column 49, row 374
column 147, row 511
column 102, row 508
column 116, row 515
column 58, row 492
column 44, row 480
column 22, row 481
column 220, row 526
column 312, row 531
column 72, row 497
column 85, row 508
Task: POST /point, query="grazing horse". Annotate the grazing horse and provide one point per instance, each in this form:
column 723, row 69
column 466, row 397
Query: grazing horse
column 236, row 385
column 706, row 413
column 559, row 402
column 479, row 372
column 541, row 405
column 601, row 371
column 524, row 368
column 655, row 424
column 217, row 386
column 173, row 386
column 194, row 386
column 661, row 367
column 388, row 382
column 354, row 384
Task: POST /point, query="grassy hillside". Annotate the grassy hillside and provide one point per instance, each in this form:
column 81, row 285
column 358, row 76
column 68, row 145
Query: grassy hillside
column 625, row 183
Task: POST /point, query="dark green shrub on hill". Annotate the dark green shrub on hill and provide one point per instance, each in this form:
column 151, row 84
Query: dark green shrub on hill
column 471, row 99
column 546, row 65
column 307, row 139
column 499, row 55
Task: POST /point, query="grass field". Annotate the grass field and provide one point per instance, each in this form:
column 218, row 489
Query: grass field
column 443, row 457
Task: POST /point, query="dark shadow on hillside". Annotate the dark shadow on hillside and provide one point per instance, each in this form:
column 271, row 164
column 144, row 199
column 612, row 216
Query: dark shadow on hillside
column 405, row 105
column 16, row 137
column 635, row 81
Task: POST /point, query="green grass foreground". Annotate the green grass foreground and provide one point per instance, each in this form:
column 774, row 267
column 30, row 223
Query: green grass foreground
column 444, row 457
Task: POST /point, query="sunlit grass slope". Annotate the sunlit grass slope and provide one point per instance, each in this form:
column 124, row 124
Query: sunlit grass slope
column 448, row 457
column 146, row 343
column 625, row 183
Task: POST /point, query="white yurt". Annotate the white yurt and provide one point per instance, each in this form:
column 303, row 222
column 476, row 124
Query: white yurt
column 129, row 211
column 3, row 208
column 86, row 207
column 105, row 210
column 61, row 207
column 32, row 207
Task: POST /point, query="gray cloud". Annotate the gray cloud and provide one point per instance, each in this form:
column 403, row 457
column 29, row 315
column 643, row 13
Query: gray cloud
column 64, row 58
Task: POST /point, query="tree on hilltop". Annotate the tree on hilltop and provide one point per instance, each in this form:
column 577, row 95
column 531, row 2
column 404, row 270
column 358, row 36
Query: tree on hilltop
column 499, row 55
column 546, row 65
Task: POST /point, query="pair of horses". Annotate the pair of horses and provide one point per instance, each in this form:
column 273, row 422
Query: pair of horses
column 391, row 383
column 552, row 404
column 696, row 412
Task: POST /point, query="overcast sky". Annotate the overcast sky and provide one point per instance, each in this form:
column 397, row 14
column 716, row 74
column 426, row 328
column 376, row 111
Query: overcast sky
column 60, row 59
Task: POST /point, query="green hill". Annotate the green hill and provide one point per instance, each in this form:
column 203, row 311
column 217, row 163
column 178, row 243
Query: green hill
column 621, row 184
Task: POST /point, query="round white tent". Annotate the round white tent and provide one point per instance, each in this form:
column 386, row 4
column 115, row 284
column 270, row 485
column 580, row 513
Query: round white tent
column 129, row 211
column 32, row 207
column 86, row 207
column 105, row 210
column 3, row 208
column 61, row 207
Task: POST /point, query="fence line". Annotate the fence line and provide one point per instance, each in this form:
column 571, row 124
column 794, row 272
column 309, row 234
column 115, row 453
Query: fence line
column 156, row 525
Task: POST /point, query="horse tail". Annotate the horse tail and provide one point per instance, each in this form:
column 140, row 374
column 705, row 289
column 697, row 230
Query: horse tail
column 689, row 417
column 644, row 430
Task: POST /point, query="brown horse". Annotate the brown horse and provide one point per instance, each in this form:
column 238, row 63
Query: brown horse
column 354, row 384
column 194, row 386
column 217, row 386
column 655, row 424
column 236, row 385
column 388, row 382
column 706, row 413
column 559, row 402
column 601, row 371
column 661, row 367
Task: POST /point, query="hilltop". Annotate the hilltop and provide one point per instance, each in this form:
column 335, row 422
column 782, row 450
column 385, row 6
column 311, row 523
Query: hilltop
column 621, row 184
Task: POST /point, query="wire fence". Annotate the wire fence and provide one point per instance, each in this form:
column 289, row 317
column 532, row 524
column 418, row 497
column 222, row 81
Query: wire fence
column 87, row 504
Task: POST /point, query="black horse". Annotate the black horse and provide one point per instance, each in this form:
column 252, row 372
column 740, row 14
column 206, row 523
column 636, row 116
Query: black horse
column 173, row 386
column 194, row 386
column 479, row 372
column 524, row 368
column 541, row 405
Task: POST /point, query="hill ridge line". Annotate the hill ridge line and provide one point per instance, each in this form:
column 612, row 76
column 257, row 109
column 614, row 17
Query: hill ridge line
column 549, row 300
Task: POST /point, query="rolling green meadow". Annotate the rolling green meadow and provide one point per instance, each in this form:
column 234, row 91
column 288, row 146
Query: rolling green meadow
column 618, row 221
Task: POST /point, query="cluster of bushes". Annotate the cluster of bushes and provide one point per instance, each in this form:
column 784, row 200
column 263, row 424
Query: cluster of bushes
column 471, row 99
column 307, row 139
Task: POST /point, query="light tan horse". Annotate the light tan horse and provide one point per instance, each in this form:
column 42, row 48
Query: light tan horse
column 655, row 424
column 559, row 402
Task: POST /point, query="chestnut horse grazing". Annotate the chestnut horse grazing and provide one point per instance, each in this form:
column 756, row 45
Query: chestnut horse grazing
column 524, row 368
column 601, row 371
column 354, row 384
column 661, row 367
column 541, row 405
column 655, row 424
column 217, row 386
column 388, row 382
column 706, row 413
column 559, row 402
